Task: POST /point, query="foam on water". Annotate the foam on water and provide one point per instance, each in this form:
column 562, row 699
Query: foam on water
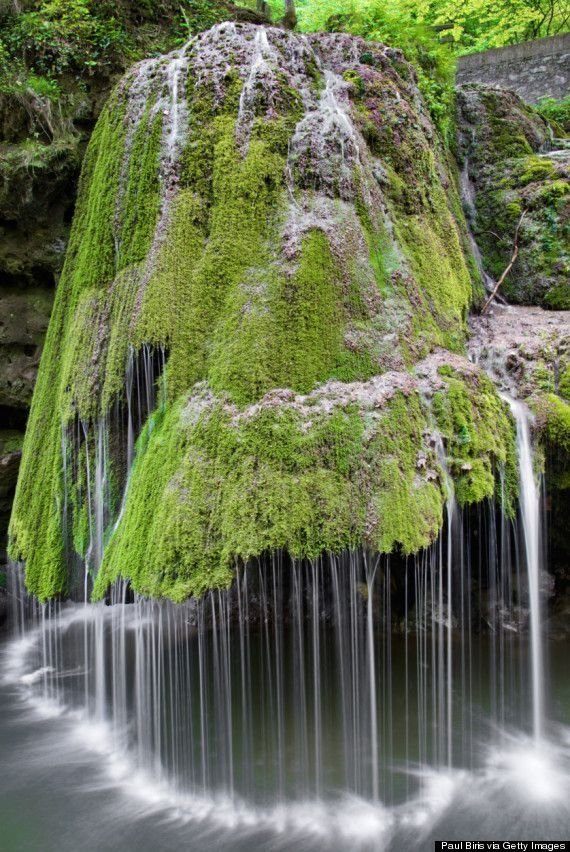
column 538, row 772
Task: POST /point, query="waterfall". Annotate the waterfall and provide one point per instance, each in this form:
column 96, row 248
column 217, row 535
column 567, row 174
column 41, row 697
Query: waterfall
column 495, row 361
column 97, row 459
column 350, row 695
column 309, row 689
column 468, row 198
column 530, row 517
column 290, row 683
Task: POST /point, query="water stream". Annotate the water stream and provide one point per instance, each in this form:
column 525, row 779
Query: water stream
column 530, row 513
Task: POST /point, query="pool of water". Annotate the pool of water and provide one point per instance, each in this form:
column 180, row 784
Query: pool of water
column 66, row 784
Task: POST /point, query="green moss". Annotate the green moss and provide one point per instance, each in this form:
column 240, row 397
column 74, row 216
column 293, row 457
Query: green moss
column 557, row 112
column 543, row 376
column 304, row 479
column 90, row 258
column 507, row 138
column 35, row 528
column 409, row 508
column 141, row 197
column 353, row 77
column 11, row 441
column 534, row 169
column 268, row 480
column 250, row 284
column 555, row 416
column 432, row 245
column 511, row 178
column 564, row 382
column 480, row 439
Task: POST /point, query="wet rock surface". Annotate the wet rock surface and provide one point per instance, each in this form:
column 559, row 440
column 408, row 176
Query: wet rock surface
column 526, row 349
column 277, row 214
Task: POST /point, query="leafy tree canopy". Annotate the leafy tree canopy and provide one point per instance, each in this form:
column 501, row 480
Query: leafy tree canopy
column 468, row 26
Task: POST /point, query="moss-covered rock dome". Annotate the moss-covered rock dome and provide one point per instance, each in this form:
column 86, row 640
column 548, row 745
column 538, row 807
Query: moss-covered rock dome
column 268, row 281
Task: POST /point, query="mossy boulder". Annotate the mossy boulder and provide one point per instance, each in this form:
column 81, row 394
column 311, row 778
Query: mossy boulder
column 247, row 235
column 11, row 441
column 505, row 147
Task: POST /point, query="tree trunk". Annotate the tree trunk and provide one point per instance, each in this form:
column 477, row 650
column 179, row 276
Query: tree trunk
column 290, row 19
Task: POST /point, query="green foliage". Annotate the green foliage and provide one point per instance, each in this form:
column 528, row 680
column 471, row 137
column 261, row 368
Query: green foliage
column 64, row 34
column 195, row 16
column 556, row 111
column 474, row 25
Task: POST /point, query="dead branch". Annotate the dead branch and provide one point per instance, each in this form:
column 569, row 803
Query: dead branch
column 509, row 266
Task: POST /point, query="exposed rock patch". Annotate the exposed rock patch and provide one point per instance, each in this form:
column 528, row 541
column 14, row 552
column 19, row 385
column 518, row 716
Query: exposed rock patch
column 527, row 349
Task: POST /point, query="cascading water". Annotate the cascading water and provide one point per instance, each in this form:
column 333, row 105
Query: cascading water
column 306, row 684
column 495, row 357
column 530, row 516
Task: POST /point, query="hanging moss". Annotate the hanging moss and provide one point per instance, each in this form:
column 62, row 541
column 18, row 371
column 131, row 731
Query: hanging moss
column 264, row 480
column 141, row 201
column 554, row 414
column 480, row 438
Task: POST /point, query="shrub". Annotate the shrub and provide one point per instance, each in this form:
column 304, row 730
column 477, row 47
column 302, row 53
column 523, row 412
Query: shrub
column 555, row 111
column 64, row 35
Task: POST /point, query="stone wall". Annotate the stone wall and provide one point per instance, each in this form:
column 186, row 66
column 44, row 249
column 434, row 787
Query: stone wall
column 533, row 69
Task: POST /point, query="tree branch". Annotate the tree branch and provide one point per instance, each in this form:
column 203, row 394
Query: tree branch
column 509, row 266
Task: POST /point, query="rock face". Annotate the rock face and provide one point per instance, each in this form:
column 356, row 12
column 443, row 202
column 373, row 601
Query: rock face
column 268, row 282
column 37, row 192
column 527, row 351
column 508, row 168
